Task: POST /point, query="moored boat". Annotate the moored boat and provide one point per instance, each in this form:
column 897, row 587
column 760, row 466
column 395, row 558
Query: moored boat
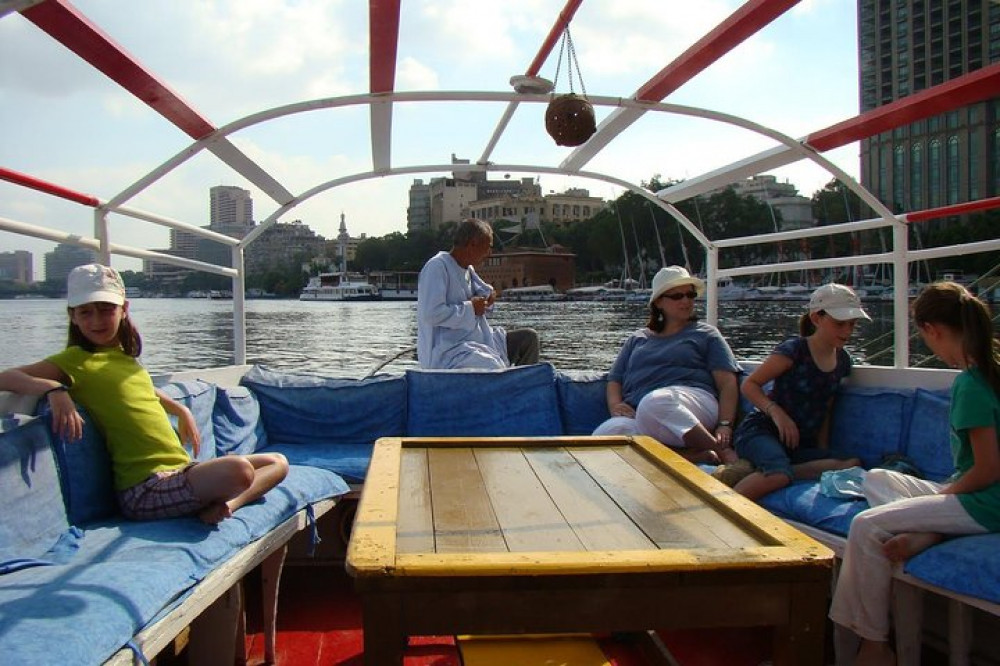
column 542, row 292
column 339, row 287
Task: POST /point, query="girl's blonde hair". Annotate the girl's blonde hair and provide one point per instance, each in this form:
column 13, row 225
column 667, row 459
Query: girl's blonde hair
column 952, row 305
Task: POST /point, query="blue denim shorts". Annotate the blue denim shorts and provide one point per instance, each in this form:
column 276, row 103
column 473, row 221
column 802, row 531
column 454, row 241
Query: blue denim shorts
column 770, row 456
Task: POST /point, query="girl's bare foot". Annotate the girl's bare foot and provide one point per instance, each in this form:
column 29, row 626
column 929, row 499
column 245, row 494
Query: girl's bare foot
column 907, row 544
column 215, row 513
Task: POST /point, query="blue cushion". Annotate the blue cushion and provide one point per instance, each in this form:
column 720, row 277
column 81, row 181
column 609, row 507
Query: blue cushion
column 33, row 516
column 305, row 409
column 349, row 461
column 929, row 441
column 869, row 423
column 127, row 572
column 513, row 402
column 199, row 397
column 583, row 403
column 968, row 565
column 236, row 422
column 802, row 501
column 88, row 481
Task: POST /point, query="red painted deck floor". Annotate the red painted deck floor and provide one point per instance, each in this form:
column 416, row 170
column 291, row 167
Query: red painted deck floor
column 319, row 624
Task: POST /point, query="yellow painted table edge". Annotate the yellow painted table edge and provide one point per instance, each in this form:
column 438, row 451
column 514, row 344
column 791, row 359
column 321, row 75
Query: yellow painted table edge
column 372, row 549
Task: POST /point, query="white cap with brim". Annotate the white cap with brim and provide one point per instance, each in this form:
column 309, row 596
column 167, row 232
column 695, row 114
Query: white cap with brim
column 670, row 277
column 94, row 283
column 839, row 301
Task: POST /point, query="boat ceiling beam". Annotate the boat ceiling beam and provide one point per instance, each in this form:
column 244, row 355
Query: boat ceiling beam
column 69, row 27
column 383, row 37
column 544, row 51
column 741, row 24
column 967, row 89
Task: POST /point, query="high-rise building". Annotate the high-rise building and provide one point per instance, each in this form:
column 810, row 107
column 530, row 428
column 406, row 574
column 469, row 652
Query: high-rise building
column 16, row 266
column 230, row 206
column 418, row 213
column 904, row 47
column 65, row 258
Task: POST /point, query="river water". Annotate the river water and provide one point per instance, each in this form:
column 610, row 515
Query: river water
column 351, row 339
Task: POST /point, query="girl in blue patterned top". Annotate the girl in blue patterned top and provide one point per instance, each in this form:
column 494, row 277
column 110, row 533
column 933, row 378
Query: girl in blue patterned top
column 909, row 515
column 786, row 438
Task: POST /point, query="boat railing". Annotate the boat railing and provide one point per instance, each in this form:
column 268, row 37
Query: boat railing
column 900, row 256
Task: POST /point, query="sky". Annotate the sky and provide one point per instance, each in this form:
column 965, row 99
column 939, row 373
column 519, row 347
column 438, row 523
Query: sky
column 66, row 123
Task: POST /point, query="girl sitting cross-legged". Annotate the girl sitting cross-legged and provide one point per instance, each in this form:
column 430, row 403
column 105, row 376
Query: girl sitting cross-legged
column 786, row 437
column 154, row 475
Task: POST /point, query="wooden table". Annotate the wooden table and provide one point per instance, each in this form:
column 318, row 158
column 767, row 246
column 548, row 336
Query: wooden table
column 567, row 534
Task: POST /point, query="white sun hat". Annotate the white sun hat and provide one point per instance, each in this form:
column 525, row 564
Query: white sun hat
column 669, row 277
column 94, row 283
column 839, row 301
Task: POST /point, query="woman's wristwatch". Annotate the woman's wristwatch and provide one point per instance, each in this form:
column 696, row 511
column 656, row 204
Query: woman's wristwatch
column 724, row 423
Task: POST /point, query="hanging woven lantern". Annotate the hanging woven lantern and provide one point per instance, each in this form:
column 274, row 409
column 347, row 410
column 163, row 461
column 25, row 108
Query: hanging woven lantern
column 569, row 119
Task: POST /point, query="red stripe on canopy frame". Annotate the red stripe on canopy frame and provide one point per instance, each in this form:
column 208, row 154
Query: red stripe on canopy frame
column 383, row 35
column 72, row 29
column 954, row 209
column 966, row 89
column 743, row 23
column 49, row 188
column 565, row 16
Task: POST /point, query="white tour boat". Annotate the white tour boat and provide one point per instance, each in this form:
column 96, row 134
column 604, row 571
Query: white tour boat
column 339, row 287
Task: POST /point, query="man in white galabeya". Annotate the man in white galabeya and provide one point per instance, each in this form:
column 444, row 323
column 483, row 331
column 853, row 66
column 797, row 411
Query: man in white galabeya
column 452, row 302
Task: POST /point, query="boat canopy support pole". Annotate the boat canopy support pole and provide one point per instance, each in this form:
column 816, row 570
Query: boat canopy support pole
column 712, row 269
column 900, row 295
column 239, row 308
column 101, row 233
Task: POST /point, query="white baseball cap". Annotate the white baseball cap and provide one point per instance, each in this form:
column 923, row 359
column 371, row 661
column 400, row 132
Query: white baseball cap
column 839, row 301
column 669, row 277
column 94, row 283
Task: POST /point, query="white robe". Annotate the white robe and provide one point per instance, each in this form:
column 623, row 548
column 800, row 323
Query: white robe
column 449, row 334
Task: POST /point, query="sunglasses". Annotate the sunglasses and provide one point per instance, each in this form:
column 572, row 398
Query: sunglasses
column 687, row 294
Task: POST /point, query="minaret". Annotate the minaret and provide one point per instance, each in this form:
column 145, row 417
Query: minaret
column 343, row 237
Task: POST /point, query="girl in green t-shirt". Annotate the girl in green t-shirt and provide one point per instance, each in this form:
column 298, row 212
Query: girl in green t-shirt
column 909, row 515
column 154, row 475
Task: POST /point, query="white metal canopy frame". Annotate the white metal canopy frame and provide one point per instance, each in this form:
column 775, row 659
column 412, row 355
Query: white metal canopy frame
column 64, row 23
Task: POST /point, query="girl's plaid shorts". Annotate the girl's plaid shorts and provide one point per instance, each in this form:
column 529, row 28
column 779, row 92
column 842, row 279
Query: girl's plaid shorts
column 166, row 494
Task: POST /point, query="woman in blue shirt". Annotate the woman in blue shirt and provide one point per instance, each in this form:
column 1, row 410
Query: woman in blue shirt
column 675, row 380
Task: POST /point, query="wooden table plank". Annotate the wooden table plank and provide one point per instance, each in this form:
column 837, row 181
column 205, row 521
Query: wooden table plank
column 714, row 522
column 464, row 521
column 599, row 523
column 415, row 529
column 664, row 517
column 529, row 519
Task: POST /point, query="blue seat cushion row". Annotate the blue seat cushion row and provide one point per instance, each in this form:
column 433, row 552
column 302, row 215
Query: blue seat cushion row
column 306, row 409
column 127, row 574
column 967, row 565
column 513, row 402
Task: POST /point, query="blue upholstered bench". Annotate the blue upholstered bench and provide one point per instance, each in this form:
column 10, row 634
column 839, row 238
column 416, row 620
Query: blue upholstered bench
column 79, row 584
